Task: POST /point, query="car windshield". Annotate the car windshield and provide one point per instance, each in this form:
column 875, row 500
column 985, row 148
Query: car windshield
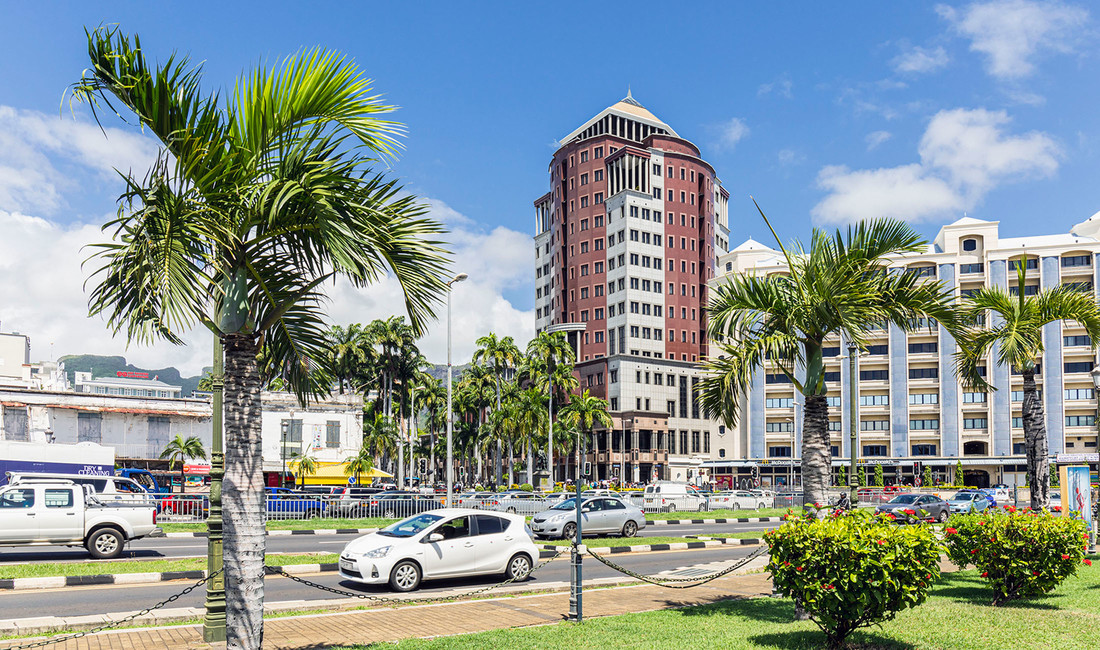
column 904, row 498
column 568, row 504
column 409, row 527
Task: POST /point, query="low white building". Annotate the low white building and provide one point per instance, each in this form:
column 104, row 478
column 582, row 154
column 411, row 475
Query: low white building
column 329, row 430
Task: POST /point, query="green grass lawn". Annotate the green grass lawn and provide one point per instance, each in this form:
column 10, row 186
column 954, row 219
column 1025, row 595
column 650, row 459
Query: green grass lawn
column 45, row 569
column 600, row 542
column 290, row 524
column 718, row 514
column 750, row 534
column 956, row 617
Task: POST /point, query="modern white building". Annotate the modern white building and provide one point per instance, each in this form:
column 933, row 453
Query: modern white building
column 130, row 384
column 912, row 409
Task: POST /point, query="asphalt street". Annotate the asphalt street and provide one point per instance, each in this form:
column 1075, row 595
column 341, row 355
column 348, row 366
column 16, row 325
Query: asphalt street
column 79, row 601
column 186, row 547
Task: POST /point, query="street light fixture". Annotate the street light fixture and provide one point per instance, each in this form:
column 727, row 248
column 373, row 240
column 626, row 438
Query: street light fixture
column 450, row 413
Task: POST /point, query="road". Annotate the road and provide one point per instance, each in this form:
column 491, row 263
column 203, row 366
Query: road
column 186, row 547
column 79, row 601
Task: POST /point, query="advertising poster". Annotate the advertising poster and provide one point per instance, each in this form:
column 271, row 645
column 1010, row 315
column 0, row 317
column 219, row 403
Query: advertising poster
column 1076, row 493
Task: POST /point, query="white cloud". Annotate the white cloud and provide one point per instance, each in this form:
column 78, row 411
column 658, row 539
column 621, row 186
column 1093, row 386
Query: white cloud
column 38, row 153
column 964, row 155
column 782, row 87
column 733, row 132
column 789, row 157
column 920, row 60
column 47, row 300
column 876, row 138
column 1011, row 34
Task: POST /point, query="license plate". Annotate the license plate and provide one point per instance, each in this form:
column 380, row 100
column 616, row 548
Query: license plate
column 347, row 565
column 536, row 528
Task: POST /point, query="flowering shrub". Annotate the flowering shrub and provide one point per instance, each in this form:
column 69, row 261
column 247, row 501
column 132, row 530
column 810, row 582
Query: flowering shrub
column 852, row 570
column 1020, row 553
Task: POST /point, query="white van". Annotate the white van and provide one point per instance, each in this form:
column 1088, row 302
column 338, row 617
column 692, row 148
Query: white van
column 107, row 488
column 670, row 496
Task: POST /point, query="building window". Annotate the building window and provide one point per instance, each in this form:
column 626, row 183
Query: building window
column 975, row 423
column 874, row 450
column 779, row 402
column 923, row 348
column 1077, row 260
column 1078, row 366
column 924, row 373
column 1079, row 393
column 778, row 427
column 970, row 245
column 779, row 452
column 89, row 428
column 1017, row 423
column 1076, row 341
column 924, row 425
column 332, row 434
column 923, row 271
column 924, row 450
column 878, row 349
column 974, row 398
column 1080, row 420
column 874, row 400
column 971, row 268
column 874, row 375
column 874, row 425
column 1032, row 263
column 776, row 379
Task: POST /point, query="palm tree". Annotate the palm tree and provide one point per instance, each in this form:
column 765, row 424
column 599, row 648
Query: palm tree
column 550, row 360
column 379, row 435
column 253, row 204
column 472, row 397
column 303, row 465
column 433, row 396
column 347, row 351
column 840, row 286
column 583, row 413
column 528, row 417
column 1015, row 337
column 502, row 355
column 359, row 464
column 180, row 450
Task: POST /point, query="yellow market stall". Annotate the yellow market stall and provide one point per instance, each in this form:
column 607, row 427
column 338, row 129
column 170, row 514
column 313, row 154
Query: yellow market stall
column 336, row 474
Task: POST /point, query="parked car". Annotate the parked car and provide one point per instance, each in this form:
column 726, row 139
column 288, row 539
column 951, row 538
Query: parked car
column 524, row 503
column 50, row 511
column 393, row 505
column 323, row 490
column 599, row 492
column 187, row 505
column 482, row 501
column 441, row 543
column 738, row 500
column 599, row 515
column 670, row 496
column 968, row 501
column 922, row 506
column 353, row 501
column 283, row 503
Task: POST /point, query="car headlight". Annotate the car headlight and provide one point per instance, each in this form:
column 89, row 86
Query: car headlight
column 379, row 552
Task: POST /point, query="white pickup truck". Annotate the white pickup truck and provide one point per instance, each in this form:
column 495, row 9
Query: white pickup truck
column 45, row 511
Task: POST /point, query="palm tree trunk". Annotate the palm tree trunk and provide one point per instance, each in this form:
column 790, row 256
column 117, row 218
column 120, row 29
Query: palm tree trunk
column 530, row 465
column 511, row 463
column 243, row 496
column 1035, row 441
column 815, row 449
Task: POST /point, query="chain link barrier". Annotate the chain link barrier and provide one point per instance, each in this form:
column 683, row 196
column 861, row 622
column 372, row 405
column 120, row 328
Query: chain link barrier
column 270, row 570
column 675, row 583
column 69, row 637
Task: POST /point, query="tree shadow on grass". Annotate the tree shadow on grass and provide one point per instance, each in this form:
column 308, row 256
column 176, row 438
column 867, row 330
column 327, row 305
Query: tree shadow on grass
column 973, row 590
column 816, row 639
column 773, row 610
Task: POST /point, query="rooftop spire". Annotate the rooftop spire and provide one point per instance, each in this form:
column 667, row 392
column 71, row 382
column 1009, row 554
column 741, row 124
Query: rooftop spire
column 629, row 99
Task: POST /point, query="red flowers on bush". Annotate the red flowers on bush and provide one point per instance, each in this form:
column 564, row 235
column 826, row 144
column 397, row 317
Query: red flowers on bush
column 950, row 531
column 1064, row 556
column 1088, row 562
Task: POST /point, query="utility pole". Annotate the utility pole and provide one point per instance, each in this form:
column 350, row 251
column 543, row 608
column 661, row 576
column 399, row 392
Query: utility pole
column 213, row 624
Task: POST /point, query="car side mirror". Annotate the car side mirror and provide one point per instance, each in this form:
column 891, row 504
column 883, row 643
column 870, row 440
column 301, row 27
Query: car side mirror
column 434, row 537
column 586, row 509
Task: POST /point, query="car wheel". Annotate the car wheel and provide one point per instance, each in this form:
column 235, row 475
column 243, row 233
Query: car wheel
column 702, row 507
column 519, row 568
column 512, row 509
column 672, row 507
column 630, row 528
column 735, row 506
column 942, row 518
column 405, row 576
column 569, row 531
column 389, row 514
column 105, row 544
column 313, row 514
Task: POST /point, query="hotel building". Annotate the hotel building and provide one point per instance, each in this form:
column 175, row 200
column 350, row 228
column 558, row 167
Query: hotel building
column 912, row 409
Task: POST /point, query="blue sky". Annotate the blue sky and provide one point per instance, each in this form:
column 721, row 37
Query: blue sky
column 824, row 113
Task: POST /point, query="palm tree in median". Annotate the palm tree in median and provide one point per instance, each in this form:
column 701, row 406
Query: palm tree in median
column 253, row 204
column 303, row 465
column 839, row 286
column 502, row 355
column 1015, row 337
column 583, row 413
column 359, row 464
column 180, row 450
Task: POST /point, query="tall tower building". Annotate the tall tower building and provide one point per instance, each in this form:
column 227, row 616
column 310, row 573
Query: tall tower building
column 625, row 241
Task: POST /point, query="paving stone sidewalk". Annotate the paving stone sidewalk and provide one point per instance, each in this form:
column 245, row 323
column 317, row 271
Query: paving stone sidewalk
column 379, row 625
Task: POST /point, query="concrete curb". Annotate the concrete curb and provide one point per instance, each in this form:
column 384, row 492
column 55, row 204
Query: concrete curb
column 548, row 551
column 364, row 531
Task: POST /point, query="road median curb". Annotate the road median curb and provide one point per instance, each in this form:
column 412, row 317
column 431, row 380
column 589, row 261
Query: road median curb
column 684, row 522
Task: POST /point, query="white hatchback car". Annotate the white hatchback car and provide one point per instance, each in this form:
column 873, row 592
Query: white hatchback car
column 443, row 543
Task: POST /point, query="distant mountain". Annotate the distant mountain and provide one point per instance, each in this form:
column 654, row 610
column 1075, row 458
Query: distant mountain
column 439, row 371
column 101, row 366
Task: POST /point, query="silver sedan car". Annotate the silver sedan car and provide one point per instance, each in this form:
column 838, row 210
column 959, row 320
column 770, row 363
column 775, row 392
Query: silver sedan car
column 599, row 516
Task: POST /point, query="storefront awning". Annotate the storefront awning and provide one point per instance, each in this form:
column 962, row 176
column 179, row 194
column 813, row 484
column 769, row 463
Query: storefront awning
column 336, row 474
